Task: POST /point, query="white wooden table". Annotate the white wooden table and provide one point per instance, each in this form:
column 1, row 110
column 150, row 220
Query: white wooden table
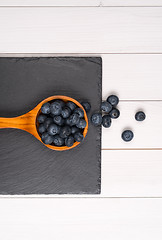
column 127, row 34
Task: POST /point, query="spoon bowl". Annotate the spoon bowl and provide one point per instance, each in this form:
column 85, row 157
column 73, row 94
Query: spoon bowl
column 28, row 121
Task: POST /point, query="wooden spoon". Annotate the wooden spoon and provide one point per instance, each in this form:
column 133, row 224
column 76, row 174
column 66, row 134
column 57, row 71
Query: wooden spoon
column 28, row 122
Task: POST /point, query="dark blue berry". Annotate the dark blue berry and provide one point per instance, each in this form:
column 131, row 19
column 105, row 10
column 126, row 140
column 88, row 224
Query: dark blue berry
column 106, row 107
column 58, row 141
column 47, row 122
column 82, row 123
column 113, row 100
column 62, row 103
column 65, row 132
column 41, row 128
column 69, row 141
column 74, row 129
column 86, row 106
column 41, row 118
column 80, row 112
column 53, row 129
column 58, row 120
column 45, row 108
column 114, row 113
column 140, row 116
column 73, row 119
column 56, row 108
column 66, row 112
column 71, row 105
column 46, row 138
column 127, row 135
column 78, row 137
column 96, row 119
column 106, row 121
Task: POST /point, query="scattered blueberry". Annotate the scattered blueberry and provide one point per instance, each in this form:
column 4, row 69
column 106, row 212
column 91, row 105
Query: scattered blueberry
column 69, row 141
column 86, row 106
column 53, row 129
column 106, row 121
column 74, row 129
column 80, row 112
column 78, row 137
column 140, row 116
column 58, row 120
column 73, row 119
column 71, row 105
column 82, row 123
column 41, row 128
column 58, row 141
column 65, row 132
column 56, row 108
column 113, row 100
column 46, row 138
column 47, row 122
column 106, row 107
column 96, row 119
column 114, row 113
column 127, row 135
column 45, row 108
column 41, row 118
column 66, row 111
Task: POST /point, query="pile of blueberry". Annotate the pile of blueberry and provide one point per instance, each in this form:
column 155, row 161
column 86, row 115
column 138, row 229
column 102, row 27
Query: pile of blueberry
column 62, row 123
column 110, row 112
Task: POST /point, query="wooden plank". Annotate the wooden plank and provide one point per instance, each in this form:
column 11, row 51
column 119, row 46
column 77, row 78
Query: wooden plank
column 81, row 30
column 130, row 173
column 147, row 134
column 79, row 219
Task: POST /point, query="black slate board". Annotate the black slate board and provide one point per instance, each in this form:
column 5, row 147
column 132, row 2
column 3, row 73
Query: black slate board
column 26, row 165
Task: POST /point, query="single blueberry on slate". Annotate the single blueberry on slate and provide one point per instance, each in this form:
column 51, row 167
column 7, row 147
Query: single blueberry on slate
column 140, row 116
column 56, row 108
column 69, row 141
column 80, row 112
column 115, row 113
column 58, row 141
column 106, row 107
column 86, row 106
column 58, row 120
column 82, row 123
column 73, row 119
column 74, row 129
column 65, row 132
column 41, row 118
column 47, row 122
column 96, row 119
column 127, row 135
column 45, row 108
column 78, row 137
column 46, row 138
column 66, row 111
column 41, row 128
column 53, row 129
column 106, row 121
column 113, row 100
column 71, row 105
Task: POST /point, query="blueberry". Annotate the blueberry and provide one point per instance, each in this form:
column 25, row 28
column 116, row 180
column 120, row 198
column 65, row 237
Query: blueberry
column 53, row 129
column 58, row 141
column 69, row 141
column 78, row 137
column 56, row 108
column 41, row 128
column 73, row 119
column 46, row 138
column 113, row 100
column 41, row 118
column 114, row 113
column 82, row 123
column 47, row 122
column 45, row 108
column 62, row 103
column 74, row 129
column 106, row 107
column 140, row 116
column 80, row 112
column 127, row 135
column 96, row 119
column 71, row 105
column 106, row 121
column 86, row 106
column 58, row 120
column 66, row 112
column 65, row 132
